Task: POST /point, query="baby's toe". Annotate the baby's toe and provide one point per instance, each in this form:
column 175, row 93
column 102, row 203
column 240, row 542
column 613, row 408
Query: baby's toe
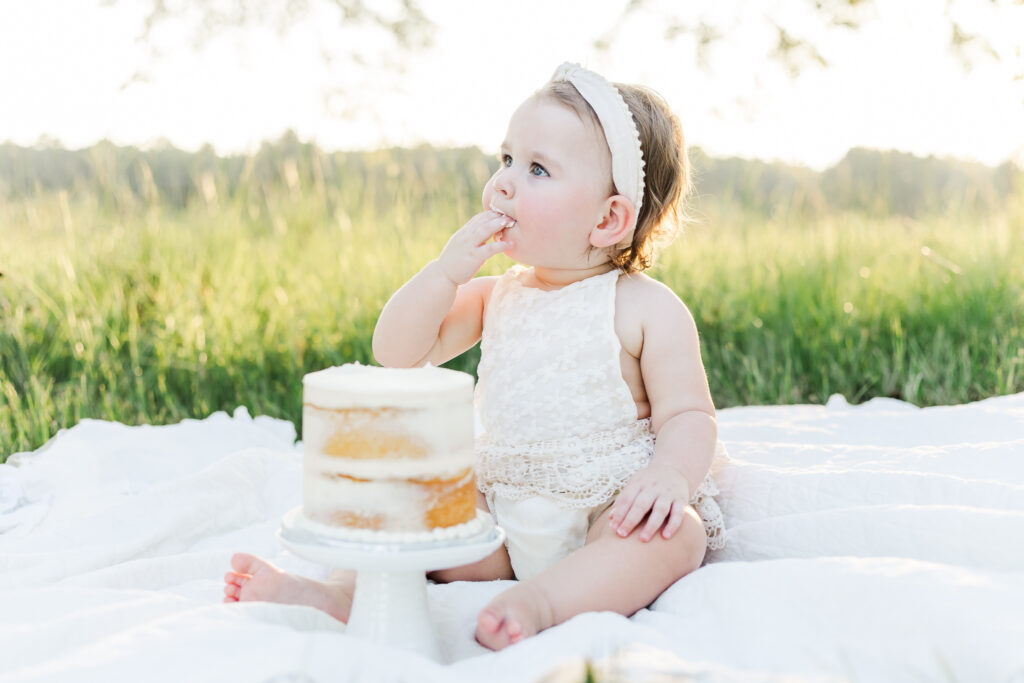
column 489, row 620
column 493, row 628
column 244, row 563
column 514, row 630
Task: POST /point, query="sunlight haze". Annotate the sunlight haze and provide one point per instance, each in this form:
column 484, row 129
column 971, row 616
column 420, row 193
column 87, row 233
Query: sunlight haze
column 893, row 84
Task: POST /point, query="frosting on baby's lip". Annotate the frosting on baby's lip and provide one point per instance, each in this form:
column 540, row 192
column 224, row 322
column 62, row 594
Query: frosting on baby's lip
column 497, row 210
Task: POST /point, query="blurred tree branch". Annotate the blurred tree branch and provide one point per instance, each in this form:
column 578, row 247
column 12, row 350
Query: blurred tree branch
column 399, row 27
column 798, row 44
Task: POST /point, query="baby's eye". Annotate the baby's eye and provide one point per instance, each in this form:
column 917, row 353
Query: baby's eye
column 506, row 160
column 538, row 170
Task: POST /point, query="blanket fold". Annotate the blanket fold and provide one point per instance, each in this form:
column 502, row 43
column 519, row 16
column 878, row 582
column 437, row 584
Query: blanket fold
column 871, row 542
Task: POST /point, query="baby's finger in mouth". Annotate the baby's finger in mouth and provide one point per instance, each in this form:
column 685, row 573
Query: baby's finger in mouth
column 497, row 226
column 496, row 222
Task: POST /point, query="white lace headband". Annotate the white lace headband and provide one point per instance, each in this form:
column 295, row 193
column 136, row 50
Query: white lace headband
column 619, row 128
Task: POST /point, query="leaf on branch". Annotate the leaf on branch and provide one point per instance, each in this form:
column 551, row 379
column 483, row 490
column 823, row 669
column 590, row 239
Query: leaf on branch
column 795, row 52
column 968, row 46
column 207, row 20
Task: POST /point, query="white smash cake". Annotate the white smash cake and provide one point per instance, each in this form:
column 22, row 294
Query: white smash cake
column 388, row 454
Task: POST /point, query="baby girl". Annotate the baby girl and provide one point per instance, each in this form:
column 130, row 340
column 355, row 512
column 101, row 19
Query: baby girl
column 599, row 426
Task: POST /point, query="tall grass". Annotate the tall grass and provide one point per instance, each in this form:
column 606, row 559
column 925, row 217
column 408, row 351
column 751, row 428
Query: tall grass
column 931, row 312
column 120, row 307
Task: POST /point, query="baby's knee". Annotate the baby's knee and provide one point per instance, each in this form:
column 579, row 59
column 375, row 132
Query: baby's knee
column 685, row 551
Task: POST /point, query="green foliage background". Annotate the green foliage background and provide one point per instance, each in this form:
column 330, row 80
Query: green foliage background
column 152, row 286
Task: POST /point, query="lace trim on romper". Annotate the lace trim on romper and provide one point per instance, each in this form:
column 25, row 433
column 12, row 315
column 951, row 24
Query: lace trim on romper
column 559, row 419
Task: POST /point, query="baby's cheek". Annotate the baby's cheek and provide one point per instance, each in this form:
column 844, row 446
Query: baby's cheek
column 488, row 193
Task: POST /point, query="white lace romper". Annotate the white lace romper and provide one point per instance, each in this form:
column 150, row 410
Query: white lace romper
column 560, row 430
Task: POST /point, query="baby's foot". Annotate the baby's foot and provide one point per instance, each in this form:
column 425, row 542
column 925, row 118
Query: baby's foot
column 253, row 579
column 518, row 613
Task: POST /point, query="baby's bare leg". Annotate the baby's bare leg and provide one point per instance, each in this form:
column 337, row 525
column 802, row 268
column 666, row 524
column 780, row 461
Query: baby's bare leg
column 494, row 566
column 609, row 573
column 255, row 579
column 252, row 578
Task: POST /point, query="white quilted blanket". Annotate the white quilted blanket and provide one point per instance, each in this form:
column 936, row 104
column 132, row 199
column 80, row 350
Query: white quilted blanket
column 868, row 543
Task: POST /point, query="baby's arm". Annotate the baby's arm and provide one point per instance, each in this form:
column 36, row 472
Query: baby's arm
column 438, row 313
column 682, row 417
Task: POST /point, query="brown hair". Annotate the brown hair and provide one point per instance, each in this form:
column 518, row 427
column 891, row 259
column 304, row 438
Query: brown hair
column 666, row 172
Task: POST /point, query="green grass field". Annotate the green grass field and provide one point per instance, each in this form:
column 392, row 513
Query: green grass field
column 124, row 308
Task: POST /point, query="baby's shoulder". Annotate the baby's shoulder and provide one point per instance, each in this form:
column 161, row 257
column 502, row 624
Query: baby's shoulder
column 646, row 303
column 483, row 286
column 643, row 293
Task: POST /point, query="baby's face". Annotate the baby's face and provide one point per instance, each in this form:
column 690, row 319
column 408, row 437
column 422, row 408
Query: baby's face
column 555, row 180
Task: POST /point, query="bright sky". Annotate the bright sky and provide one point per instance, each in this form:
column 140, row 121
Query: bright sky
column 891, row 85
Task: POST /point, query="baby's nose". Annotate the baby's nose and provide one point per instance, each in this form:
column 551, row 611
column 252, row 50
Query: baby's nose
column 503, row 183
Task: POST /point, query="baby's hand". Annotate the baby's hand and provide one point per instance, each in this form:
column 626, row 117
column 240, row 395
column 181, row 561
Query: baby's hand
column 468, row 248
column 658, row 489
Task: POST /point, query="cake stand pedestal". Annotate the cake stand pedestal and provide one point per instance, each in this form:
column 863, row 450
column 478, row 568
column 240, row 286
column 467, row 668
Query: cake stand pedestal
column 390, row 601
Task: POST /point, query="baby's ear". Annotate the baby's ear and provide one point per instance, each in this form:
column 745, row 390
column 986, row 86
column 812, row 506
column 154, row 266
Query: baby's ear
column 617, row 222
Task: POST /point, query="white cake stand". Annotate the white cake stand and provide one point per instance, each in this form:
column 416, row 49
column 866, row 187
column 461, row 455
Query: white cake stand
column 390, row 601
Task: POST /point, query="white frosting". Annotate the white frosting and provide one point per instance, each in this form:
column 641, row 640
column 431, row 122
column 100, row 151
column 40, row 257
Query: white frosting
column 401, row 504
column 443, row 467
column 354, row 385
column 430, row 408
column 464, row 530
column 446, row 431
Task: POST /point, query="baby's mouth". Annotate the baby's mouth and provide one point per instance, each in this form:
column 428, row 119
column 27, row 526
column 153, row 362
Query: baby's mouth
column 497, row 210
column 501, row 234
